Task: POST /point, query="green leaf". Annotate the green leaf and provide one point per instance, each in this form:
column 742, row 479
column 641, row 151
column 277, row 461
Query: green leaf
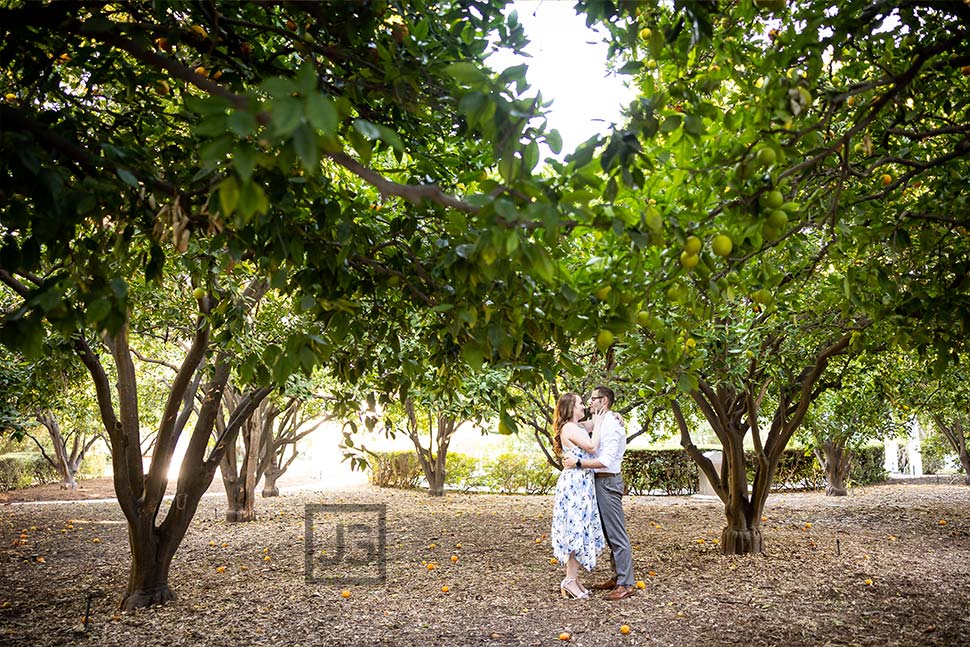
column 321, row 113
column 554, row 141
column 242, row 123
column 473, row 354
column 228, row 195
column 286, row 115
column 306, row 79
column 214, row 152
column 211, row 126
column 278, row 87
column 244, row 161
column 128, row 177
column 97, row 310
column 305, row 144
column 367, row 129
column 252, row 200
column 467, row 73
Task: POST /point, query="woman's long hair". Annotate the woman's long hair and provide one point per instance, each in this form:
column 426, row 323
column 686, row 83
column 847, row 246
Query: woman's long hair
column 565, row 407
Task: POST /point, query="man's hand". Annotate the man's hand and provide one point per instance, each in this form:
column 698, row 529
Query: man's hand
column 568, row 462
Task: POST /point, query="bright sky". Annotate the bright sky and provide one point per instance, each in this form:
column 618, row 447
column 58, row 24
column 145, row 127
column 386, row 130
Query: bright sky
column 568, row 65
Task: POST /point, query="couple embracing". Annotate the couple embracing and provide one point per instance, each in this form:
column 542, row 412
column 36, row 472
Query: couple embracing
column 588, row 505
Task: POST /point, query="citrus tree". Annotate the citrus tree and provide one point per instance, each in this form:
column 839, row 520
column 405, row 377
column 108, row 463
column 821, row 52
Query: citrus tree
column 845, row 419
column 231, row 149
column 790, row 168
column 941, row 399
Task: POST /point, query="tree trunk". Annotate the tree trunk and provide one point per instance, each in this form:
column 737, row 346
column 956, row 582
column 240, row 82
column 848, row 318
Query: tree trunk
column 239, row 505
column 436, row 482
column 965, row 461
column 269, row 481
column 837, row 461
column 742, row 535
column 151, row 560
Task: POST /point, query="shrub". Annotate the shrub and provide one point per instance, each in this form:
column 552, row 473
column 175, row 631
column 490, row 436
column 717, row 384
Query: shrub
column 670, row 471
column 798, row 469
column 514, row 472
column 462, row 473
column 868, row 465
column 394, row 469
column 23, row 469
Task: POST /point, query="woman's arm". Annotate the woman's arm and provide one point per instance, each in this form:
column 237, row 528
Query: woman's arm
column 578, row 436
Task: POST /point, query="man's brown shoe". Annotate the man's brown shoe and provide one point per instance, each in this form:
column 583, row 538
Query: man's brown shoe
column 621, row 592
column 608, row 585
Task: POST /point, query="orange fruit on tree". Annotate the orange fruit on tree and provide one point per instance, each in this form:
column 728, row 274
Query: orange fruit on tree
column 886, row 179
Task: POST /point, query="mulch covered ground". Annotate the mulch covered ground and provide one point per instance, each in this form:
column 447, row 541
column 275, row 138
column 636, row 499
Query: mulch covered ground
column 888, row 565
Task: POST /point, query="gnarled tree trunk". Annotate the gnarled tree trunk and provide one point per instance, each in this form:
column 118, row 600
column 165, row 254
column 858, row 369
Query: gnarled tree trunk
column 433, row 457
column 66, row 462
column 239, row 473
column 731, row 413
column 836, row 460
column 955, row 432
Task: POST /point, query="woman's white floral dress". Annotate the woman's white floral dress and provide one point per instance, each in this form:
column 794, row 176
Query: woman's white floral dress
column 576, row 525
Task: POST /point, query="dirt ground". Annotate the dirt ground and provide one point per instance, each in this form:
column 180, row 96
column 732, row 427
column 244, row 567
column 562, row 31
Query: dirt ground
column 888, row 565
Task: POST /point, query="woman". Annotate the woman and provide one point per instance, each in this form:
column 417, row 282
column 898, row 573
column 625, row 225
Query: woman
column 577, row 536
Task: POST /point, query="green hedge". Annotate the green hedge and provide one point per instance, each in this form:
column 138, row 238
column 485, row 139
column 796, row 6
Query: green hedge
column 508, row 474
column 515, row 472
column 671, row 471
column 394, row 469
column 645, row 471
column 868, row 466
column 23, row 469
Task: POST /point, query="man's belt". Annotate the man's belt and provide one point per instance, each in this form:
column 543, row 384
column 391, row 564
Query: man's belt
column 603, row 475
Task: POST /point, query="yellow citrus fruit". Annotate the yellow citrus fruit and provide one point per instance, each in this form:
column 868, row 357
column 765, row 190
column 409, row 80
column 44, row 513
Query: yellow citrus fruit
column 624, row 629
column 689, row 261
column 641, row 584
column 604, row 340
column 693, row 245
column 778, row 218
column 762, row 296
column 564, row 636
column 454, row 558
column 603, row 292
column 767, row 156
column 722, row 245
column 199, row 30
column 201, row 71
column 886, row 179
column 645, row 33
column 643, row 318
column 773, row 199
column 445, row 589
column 220, row 569
column 345, row 594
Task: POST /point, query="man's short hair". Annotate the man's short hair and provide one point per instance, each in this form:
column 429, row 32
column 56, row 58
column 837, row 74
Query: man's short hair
column 608, row 392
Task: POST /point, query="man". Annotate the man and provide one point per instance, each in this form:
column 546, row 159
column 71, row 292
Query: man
column 609, row 494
